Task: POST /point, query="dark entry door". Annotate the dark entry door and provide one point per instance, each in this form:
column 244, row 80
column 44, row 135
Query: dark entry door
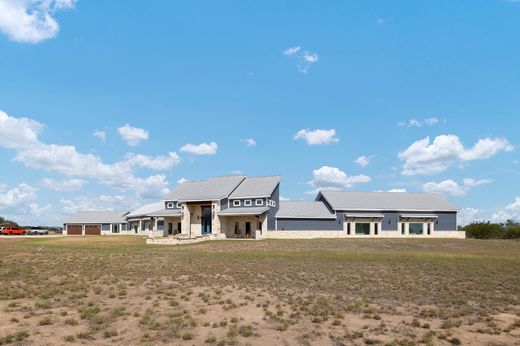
column 206, row 220
column 248, row 230
column 170, row 228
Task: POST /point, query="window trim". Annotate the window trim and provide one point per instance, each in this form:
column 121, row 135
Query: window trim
column 248, row 203
column 170, row 205
column 178, row 204
column 237, row 203
column 259, row 201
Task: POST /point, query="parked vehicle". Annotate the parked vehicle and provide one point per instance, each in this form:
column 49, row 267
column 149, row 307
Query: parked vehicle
column 13, row 231
column 37, row 231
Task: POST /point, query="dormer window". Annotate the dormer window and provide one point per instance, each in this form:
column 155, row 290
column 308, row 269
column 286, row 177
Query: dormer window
column 271, row 203
column 259, row 202
column 170, row 205
column 236, row 203
column 178, row 204
column 248, row 203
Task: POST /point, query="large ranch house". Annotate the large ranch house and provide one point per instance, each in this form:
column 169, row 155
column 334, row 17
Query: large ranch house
column 250, row 208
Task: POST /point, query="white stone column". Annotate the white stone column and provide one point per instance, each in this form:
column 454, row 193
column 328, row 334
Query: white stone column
column 407, row 228
column 371, row 229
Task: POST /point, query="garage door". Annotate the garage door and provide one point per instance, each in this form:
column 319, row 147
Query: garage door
column 74, row 229
column 92, row 230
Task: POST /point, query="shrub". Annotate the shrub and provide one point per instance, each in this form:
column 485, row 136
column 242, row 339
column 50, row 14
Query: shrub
column 487, row 230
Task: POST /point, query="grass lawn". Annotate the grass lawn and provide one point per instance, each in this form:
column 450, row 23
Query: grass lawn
column 117, row 290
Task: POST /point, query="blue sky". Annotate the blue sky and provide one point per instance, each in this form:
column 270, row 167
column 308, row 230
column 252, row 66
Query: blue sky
column 372, row 95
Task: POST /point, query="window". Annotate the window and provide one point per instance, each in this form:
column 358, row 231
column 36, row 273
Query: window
column 362, row 229
column 236, row 203
column 178, row 204
column 236, row 228
column 416, row 228
column 429, row 228
column 402, row 228
column 271, row 203
column 260, row 225
column 105, row 227
column 160, row 225
column 248, row 203
column 170, row 205
column 259, row 202
column 376, row 228
column 348, row 228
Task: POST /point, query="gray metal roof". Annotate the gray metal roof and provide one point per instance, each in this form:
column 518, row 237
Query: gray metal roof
column 243, row 211
column 214, row 188
column 97, row 217
column 399, row 201
column 166, row 212
column 304, row 210
column 145, row 210
column 256, row 187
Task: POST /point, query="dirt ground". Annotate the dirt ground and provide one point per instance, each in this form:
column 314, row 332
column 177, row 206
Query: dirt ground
column 117, row 290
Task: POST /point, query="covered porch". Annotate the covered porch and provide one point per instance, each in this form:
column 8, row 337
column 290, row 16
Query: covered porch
column 243, row 223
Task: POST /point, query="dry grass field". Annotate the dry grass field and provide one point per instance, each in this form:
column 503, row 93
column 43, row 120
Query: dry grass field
column 117, row 290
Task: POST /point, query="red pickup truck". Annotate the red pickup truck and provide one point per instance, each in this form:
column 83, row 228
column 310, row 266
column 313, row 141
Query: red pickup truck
column 13, row 231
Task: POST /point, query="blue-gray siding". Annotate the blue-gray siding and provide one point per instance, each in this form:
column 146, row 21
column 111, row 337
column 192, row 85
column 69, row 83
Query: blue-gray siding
column 309, row 224
column 275, row 196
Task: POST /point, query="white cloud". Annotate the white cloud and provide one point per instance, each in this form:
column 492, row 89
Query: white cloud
column 469, row 215
column 425, row 157
column 283, row 198
column 305, row 59
column 250, row 142
column 419, row 123
column 31, row 21
column 314, row 137
column 363, row 161
column 133, row 136
column 182, row 180
column 237, row 172
column 332, row 178
column 21, row 134
column 201, row 149
column 292, row 50
column 158, row 163
column 101, row 135
column 451, row 187
column 510, row 212
column 63, row 184
column 397, row 190
column 17, row 196
column 102, row 202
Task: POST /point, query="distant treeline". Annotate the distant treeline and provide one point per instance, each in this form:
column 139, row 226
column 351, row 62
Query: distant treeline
column 9, row 223
column 488, row 230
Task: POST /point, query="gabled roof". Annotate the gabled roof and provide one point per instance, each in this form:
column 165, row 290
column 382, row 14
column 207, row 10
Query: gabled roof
column 304, row 210
column 96, row 217
column 398, row 201
column 147, row 209
column 256, row 187
column 212, row 189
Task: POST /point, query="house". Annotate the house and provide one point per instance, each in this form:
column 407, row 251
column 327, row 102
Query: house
column 96, row 223
column 250, row 207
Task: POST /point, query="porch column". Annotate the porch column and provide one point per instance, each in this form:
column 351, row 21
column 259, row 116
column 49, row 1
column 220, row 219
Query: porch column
column 371, row 228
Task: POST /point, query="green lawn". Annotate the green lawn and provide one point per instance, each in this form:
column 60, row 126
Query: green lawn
column 468, row 290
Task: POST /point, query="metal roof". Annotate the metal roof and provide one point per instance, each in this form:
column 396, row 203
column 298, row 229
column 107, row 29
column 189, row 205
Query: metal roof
column 97, row 217
column 214, row 188
column 256, row 187
column 166, row 212
column 398, row 201
column 304, row 210
column 145, row 210
column 243, row 211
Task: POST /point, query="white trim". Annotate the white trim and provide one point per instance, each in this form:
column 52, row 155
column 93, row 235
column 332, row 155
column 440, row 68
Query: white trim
column 259, row 201
column 178, row 204
column 248, row 203
column 306, row 217
column 237, row 203
column 170, row 205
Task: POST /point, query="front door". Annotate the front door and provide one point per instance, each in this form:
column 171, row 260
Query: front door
column 248, row 230
column 206, row 220
column 170, row 228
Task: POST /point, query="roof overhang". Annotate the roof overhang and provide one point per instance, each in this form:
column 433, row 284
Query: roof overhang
column 418, row 216
column 332, row 217
column 230, row 212
column 365, row 215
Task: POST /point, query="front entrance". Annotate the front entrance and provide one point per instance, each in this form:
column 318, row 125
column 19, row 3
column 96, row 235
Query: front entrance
column 170, row 228
column 206, row 220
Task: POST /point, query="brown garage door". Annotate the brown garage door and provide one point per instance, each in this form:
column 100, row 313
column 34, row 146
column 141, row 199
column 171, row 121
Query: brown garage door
column 92, row 230
column 74, row 229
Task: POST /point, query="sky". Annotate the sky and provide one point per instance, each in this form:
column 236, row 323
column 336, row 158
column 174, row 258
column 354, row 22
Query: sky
column 107, row 106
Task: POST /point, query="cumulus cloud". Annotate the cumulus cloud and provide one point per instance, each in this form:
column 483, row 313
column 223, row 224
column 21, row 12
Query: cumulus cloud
column 304, row 58
column 102, row 202
column 426, row 157
column 21, row 194
column 397, row 190
column 101, row 135
column 133, row 136
column 63, row 184
column 21, row 134
column 451, row 187
column 332, row 178
column 31, row 21
column 363, row 161
column 315, row 137
column 200, row 149
column 250, row 142
column 469, row 215
column 419, row 123
column 510, row 212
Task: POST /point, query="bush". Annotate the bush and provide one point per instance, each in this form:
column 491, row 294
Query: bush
column 487, row 230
